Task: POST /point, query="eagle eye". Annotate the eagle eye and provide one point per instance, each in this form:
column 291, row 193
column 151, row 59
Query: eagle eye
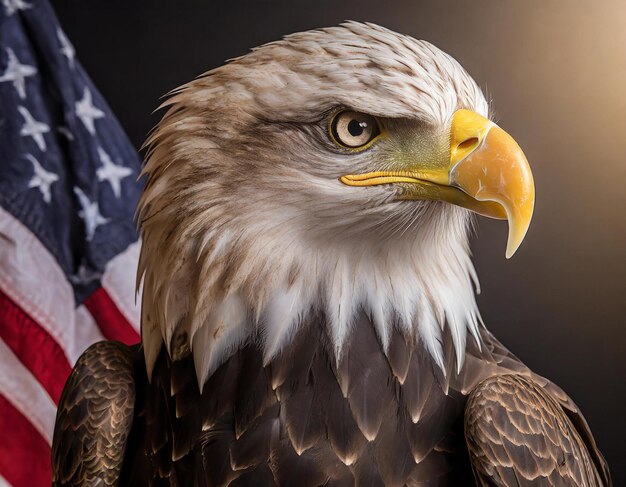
column 353, row 130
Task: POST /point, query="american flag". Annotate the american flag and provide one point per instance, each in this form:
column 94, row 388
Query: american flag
column 68, row 243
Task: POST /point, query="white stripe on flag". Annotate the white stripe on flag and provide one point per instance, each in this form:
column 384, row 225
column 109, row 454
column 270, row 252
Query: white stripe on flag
column 22, row 390
column 86, row 332
column 33, row 279
column 4, row 482
column 119, row 283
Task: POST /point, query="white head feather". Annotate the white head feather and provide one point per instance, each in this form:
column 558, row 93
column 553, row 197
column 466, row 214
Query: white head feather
column 247, row 229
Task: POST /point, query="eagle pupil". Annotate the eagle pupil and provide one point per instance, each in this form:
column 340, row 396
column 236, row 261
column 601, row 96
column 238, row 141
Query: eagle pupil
column 356, row 128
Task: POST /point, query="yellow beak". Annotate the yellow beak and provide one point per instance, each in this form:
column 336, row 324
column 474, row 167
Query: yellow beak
column 486, row 172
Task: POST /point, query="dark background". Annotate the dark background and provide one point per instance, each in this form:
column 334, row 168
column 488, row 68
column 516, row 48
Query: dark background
column 556, row 72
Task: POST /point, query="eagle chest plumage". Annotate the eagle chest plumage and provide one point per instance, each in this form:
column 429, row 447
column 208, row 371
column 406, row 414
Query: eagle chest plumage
column 371, row 419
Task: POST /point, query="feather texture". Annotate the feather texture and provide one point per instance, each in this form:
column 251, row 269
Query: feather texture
column 94, row 417
column 517, row 434
column 305, row 419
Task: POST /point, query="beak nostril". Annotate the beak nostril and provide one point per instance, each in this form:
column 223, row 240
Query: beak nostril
column 468, row 143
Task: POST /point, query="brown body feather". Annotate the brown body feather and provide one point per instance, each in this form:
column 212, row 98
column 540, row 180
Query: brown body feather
column 94, row 417
column 372, row 419
column 517, row 434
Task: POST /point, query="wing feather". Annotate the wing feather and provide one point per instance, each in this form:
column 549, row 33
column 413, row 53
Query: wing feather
column 94, row 417
column 517, row 433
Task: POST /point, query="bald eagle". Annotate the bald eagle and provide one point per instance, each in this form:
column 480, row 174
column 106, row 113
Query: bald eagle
column 308, row 313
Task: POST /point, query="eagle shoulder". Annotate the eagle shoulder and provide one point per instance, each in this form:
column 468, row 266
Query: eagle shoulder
column 518, row 434
column 94, row 417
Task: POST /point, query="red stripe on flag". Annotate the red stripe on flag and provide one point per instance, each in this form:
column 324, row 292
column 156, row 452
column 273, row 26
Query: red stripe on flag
column 109, row 318
column 24, row 453
column 35, row 348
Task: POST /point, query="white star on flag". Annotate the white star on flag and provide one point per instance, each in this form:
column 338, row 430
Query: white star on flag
column 13, row 6
column 90, row 213
column 33, row 128
column 84, row 276
column 111, row 172
column 17, row 73
column 66, row 47
column 41, row 179
column 87, row 112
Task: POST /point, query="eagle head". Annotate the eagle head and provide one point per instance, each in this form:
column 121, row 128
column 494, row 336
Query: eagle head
column 331, row 172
